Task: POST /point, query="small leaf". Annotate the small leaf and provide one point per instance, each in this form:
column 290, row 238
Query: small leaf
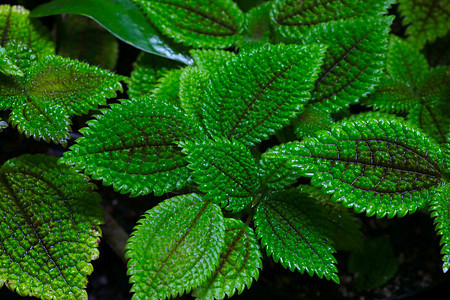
column 312, row 120
column 132, row 147
column 425, row 19
column 378, row 166
column 440, row 211
column 7, row 66
column 374, row 266
column 257, row 25
column 175, row 247
column 260, row 91
column 225, row 170
column 168, row 87
column 211, row 60
column 50, row 228
column 15, row 24
column 201, row 23
column 123, row 19
column 239, row 263
column 55, row 88
column 286, row 224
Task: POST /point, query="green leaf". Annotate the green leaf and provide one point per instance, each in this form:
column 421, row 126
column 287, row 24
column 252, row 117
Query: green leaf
column 123, row 19
column 50, row 228
column 354, row 60
column 211, row 60
column 168, row 87
column 374, row 266
column 257, row 25
column 83, row 39
column 239, row 263
column 147, row 70
column 7, row 66
column 53, row 89
column 286, row 223
column 440, row 211
column 201, row 23
column 132, row 147
column 292, row 16
column 225, row 170
column 312, row 120
column 175, row 247
column 16, row 25
column 276, row 174
column 378, row 166
column 260, row 91
column 426, row 20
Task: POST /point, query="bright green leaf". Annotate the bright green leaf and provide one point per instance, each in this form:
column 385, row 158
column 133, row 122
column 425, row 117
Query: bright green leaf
column 239, row 263
column 312, row 120
column 50, row 228
column 7, row 66
column 175, row 247
column 123, row 19
column 197, row 23
column 378, row 166
column 225, row 170
column 260, row 91
column 132, row 147
column 286, row 224
column 440, row 210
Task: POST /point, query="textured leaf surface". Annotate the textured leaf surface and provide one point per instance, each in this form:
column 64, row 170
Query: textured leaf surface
column 123, row 19
column 440, row 210
column 426, row 19
column 354, row 60
column 378, row 166
column 225, row 170
column 175, row 247
column 16, row 25
column 260, row 91
column 55, row 88
column 291, row 16
column 132, row 147
column 7, row 66
column 50, row 228
column 198, row 23
column 239, row 263
column 286, row 224
column 312, row 120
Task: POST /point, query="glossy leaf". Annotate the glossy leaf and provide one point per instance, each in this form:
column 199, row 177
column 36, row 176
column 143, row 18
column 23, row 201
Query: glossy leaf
column 52, row 90
column 239, row 263
column 286, row 224
column 354, row 60
column 175, row 247
column 260, row 91
column 425, row 20
column 146, row 72
column 132, row 147
column 200, row 23
column 50, row 228
column 440, row 210
column 312, row 120
column 291, row 16
column 123, row 19
column 168, row 87
column 15, row 24
column 7, row 66
column 225, row 170
column 378, row 166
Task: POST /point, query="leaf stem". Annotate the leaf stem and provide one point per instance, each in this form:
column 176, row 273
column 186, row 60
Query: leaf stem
column 115, row 236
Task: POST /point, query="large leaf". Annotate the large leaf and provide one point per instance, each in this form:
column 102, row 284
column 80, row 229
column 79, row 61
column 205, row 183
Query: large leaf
column 440, row 210
column 354, row 62
column 426, row 19
column 225, row 170
column 260, row 91
column 175, row 247
column 291, row 16
column 287, row 224
column 52, row 90
column 239, row 263
column 16, row 25
column 378, row 166
column 198, row 23
column 132, row 147
column 49, row 231
column 123, row 19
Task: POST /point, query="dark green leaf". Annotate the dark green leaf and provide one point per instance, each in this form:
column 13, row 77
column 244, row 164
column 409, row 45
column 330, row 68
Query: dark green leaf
column 132, row 147
column 378, row 166
column 175, row 247
column 49, row 231
column 120, row 17
column 239, row 263
column 287, row 223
